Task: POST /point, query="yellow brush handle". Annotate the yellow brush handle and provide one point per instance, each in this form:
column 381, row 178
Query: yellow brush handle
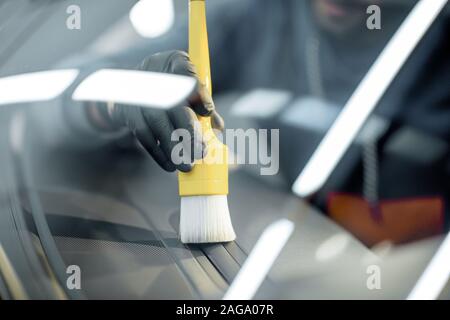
column 198, row 42
column 199, row 48
column 210, row 175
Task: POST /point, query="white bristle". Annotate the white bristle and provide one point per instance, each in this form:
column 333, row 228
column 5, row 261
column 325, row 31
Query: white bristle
column 205, row 219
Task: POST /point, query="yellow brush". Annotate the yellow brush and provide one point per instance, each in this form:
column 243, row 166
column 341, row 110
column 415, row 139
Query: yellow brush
column 204, row 214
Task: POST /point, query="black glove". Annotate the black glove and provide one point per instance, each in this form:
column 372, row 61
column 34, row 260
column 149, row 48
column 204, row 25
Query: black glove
column 153, row 128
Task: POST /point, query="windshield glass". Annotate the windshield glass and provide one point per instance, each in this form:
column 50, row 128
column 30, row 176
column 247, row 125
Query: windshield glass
column 335, row 114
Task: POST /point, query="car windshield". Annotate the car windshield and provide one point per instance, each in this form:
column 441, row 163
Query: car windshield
column 336, row 120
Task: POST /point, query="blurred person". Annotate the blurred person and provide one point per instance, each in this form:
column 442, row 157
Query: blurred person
column 319, row 48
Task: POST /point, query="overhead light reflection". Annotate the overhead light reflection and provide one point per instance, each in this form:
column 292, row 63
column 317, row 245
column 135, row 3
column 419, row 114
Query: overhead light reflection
column 152, row 18
column 436, row 275
column 260, row 260
column 332, row 247
column 36, row 86
column 133, row 87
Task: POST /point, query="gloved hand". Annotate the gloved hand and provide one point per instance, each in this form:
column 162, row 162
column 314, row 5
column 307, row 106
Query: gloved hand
column 153, row 128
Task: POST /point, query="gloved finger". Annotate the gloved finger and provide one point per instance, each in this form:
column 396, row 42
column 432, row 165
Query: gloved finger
column 172, row 61
column 185, row 118
column 178, row 62
column 202, row 103
column 148, row 141
column 163, row 129
column 217, row 121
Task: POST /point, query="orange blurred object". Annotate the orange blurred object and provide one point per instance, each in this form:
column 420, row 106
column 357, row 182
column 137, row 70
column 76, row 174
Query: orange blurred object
column 399, row 221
